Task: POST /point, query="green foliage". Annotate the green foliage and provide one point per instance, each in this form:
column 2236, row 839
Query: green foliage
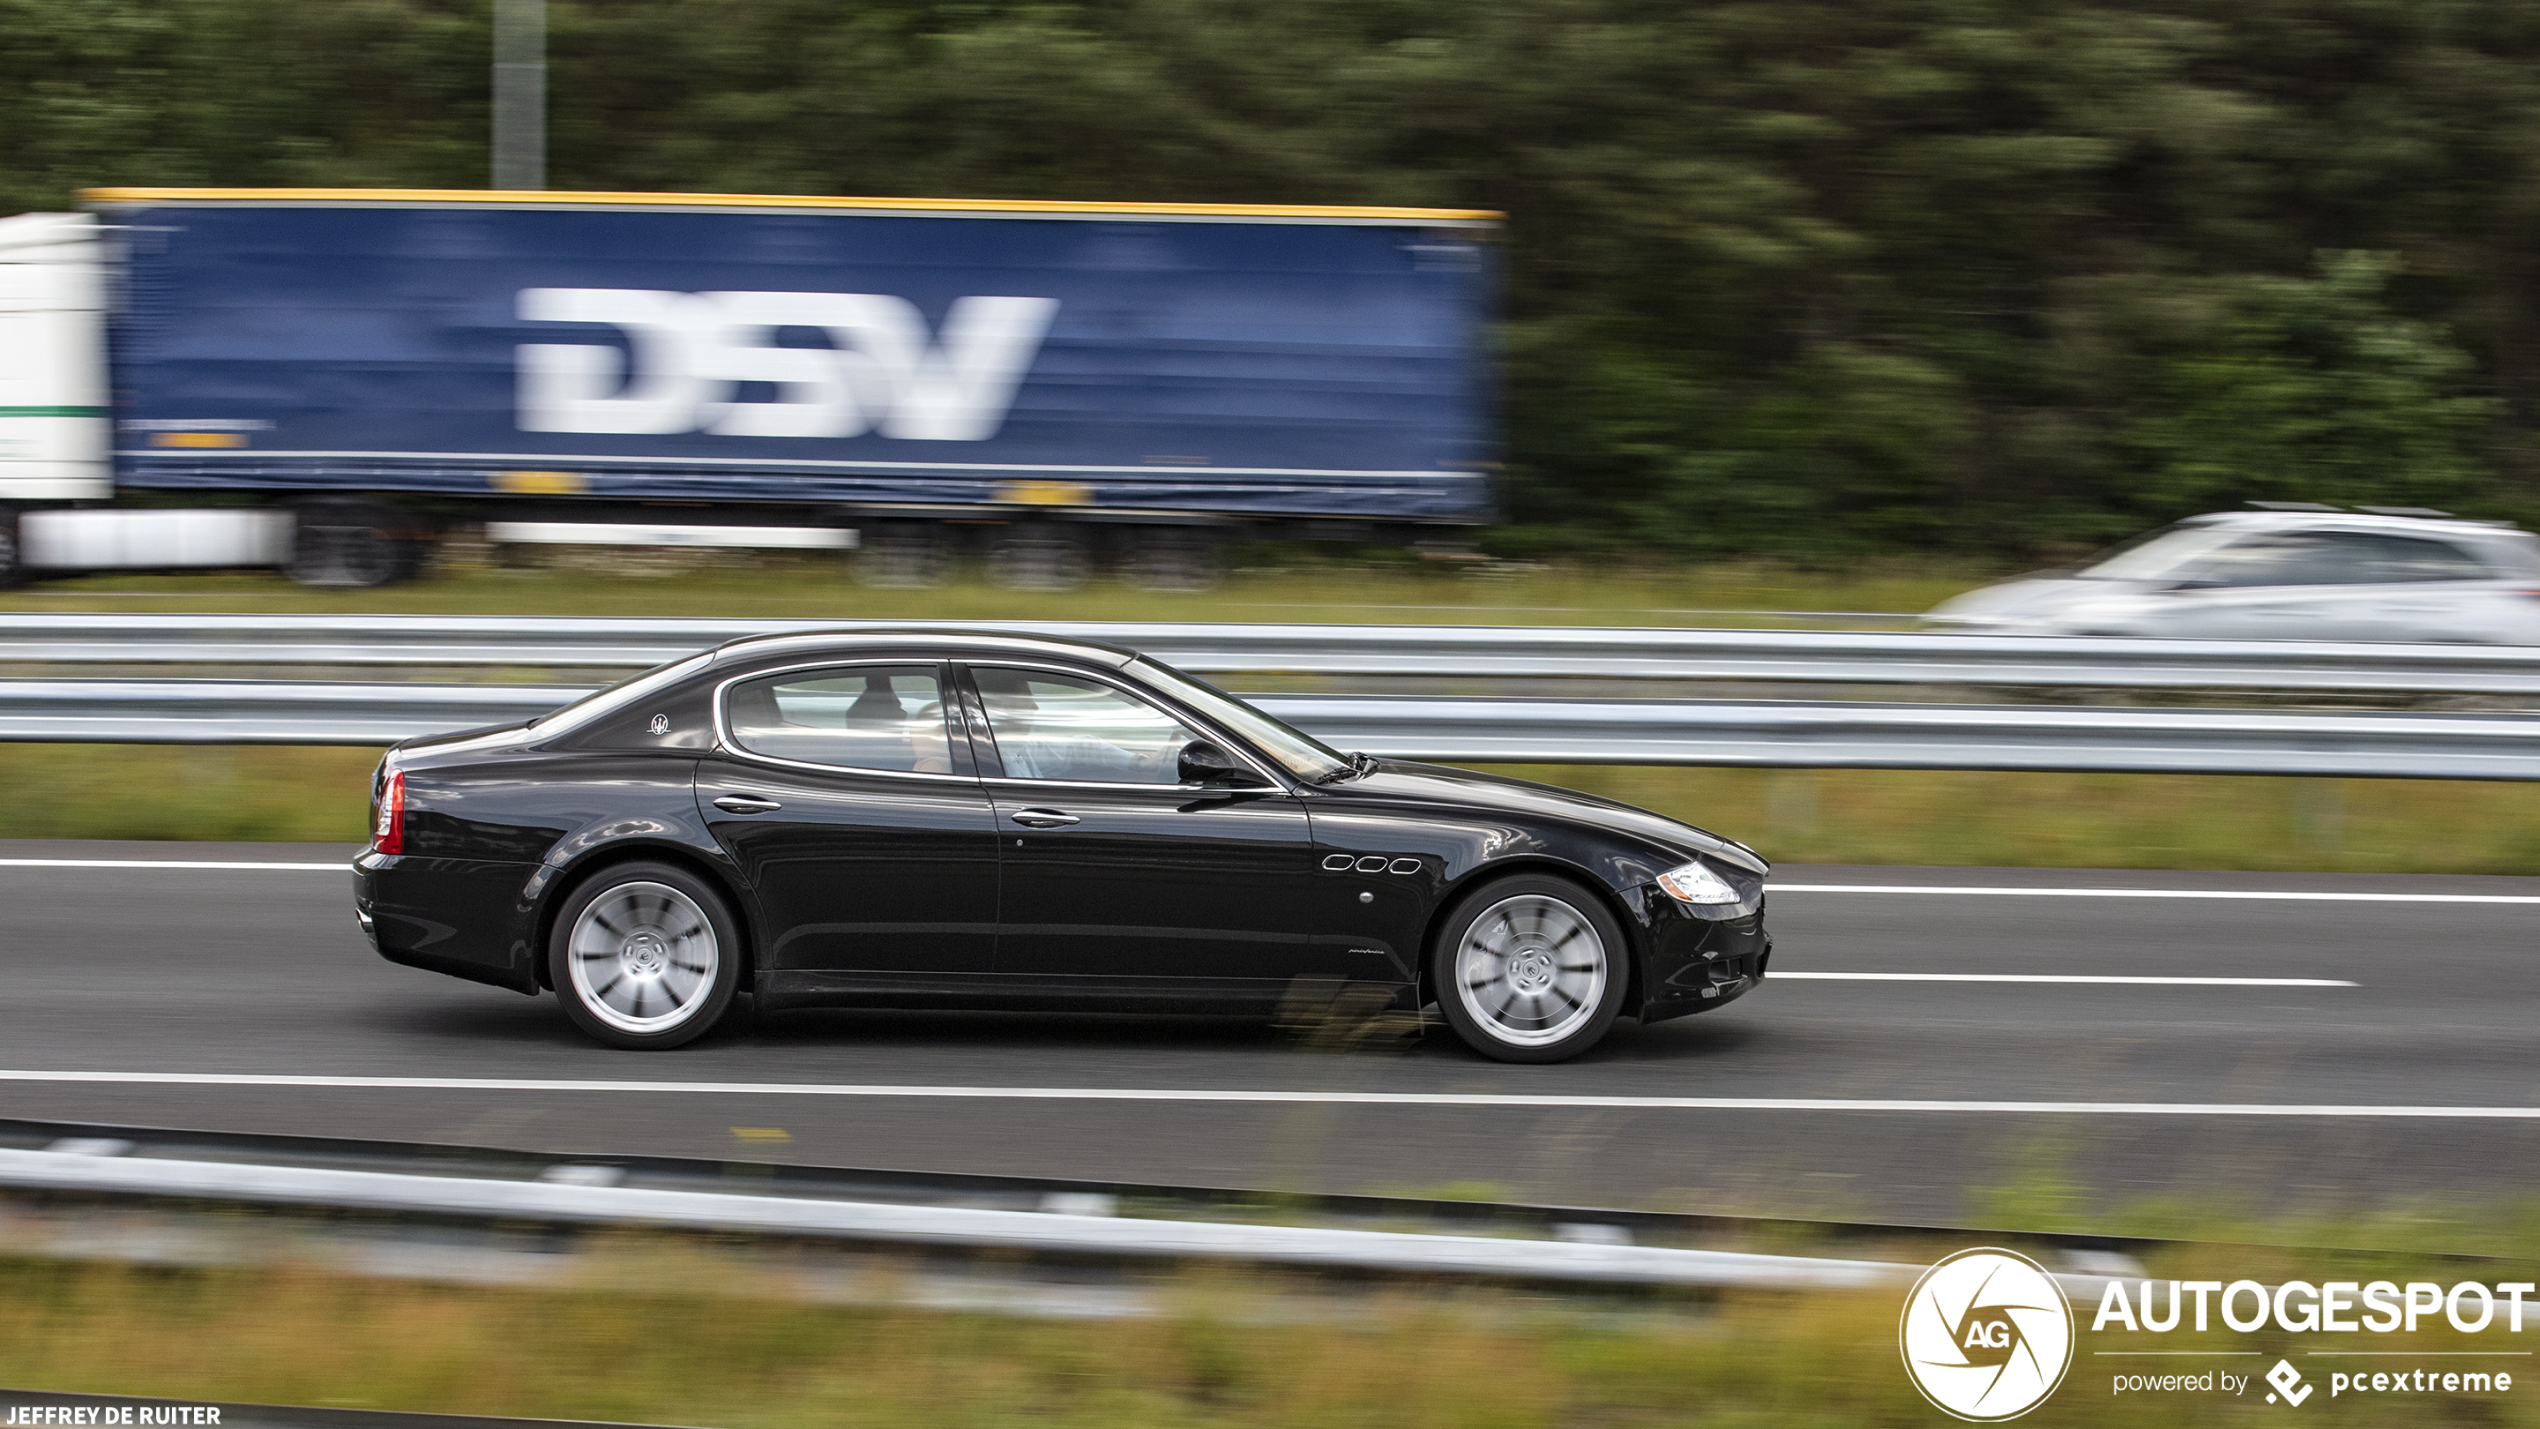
column 2315, row 390
column 1801, row 277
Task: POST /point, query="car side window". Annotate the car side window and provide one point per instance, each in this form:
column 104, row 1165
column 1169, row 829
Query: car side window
column 2335, row 558
column 1051, row 726
column 2271, row 560
column 2407, row 558
column 887, row 717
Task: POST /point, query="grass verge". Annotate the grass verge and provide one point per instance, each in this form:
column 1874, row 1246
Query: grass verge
column 628, row 1346
column 735, row 585
column 1794, row 816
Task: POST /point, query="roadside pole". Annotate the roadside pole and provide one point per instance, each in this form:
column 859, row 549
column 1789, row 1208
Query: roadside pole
column 520, row 94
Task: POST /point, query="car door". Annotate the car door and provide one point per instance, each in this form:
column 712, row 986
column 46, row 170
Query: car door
column 2276, row 586
column 851, row 806
column 2330, row 585
column 2429, row 590
column 1114, row 876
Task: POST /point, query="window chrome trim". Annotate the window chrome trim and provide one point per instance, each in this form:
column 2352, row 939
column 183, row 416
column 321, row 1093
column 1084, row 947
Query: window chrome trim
column 1223, row 740
column 725, row 745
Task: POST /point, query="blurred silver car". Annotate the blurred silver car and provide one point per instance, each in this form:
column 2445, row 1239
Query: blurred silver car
column 2284, row 573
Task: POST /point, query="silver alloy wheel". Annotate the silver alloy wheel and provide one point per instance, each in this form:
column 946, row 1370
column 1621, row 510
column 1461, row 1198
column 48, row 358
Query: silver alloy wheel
column 643, row 957
column 1531, row 970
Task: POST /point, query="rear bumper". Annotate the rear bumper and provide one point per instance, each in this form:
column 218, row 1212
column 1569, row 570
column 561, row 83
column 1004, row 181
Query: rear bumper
column 467, row 918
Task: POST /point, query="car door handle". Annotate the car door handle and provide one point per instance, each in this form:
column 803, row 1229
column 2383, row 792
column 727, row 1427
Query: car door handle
column 1043, row 819
column 746, row 804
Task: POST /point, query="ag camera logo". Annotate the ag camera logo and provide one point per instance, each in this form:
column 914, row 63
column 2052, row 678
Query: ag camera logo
column 1986, row 1335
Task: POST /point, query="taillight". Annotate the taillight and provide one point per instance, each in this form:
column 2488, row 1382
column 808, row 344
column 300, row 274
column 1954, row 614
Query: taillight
column 388, row 830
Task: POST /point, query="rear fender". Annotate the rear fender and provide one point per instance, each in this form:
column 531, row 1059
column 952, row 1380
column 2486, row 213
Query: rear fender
column 547, row 889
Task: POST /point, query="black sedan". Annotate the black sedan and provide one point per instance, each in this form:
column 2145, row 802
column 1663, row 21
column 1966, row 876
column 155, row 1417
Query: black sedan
column 924, row 819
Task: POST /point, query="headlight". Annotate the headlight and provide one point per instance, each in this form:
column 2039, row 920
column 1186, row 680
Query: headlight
column 1697, row 885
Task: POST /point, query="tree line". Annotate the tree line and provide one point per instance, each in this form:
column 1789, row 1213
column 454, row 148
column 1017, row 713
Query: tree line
column 1811, row 278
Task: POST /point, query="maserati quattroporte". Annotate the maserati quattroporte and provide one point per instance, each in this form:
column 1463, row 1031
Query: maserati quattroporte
column 928, row 819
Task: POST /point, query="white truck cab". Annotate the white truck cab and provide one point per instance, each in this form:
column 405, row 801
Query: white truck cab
column 53, row 414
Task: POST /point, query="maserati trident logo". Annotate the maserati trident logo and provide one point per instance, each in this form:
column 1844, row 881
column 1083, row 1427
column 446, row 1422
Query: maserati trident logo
column 1986, row 1335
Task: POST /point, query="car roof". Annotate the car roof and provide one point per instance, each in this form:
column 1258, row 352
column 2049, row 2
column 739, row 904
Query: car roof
column 2447, row 526
column 961, row 642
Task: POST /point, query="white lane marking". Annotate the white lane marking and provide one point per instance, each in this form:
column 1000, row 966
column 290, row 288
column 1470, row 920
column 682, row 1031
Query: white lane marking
column 1985, row 890
column 344, row 867
column 1169, row 1094
column 1778, row 976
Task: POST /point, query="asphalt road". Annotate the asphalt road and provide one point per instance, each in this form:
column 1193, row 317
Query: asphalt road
column 172, row 972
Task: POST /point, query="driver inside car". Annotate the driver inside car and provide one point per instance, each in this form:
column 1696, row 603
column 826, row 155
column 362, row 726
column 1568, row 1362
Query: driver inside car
column 1035, row 746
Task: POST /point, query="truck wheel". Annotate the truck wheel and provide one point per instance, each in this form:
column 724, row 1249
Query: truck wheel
column 12, row 564
column 1039, row 558
column 1174, row 560
column 347, row 547
column 904, row 556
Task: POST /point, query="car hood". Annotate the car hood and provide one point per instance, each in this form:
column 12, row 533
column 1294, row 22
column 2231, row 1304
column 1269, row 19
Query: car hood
column 1440, row 784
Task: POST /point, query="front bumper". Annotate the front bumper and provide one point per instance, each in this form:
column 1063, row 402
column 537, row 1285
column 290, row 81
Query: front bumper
column 1696, row 964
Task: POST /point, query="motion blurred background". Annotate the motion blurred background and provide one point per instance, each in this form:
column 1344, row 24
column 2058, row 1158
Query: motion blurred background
column 2003, row 281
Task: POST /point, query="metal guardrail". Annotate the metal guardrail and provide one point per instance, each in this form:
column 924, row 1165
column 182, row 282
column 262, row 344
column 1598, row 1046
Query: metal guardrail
column 1488, row 652
column 1450, row 730
column 2409, row 744
column 258, row 711
column 969, row 1228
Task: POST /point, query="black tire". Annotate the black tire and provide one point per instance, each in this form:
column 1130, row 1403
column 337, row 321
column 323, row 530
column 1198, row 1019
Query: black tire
column 1047, row 557
column 1174, row 561
column 12, row 558
column 621, row 942
column 904, row 555
column 1530, row 968
column 350, row 546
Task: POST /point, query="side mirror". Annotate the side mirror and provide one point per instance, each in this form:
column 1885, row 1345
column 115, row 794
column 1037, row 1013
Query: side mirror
column 1204, row 763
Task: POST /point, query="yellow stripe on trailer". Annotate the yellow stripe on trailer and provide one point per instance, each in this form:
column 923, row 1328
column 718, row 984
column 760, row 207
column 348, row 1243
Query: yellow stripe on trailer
column 1053, row 208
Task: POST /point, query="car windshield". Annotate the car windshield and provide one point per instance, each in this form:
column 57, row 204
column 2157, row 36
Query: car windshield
column 1299, row 753
column 2154, row 555
column 623, row 693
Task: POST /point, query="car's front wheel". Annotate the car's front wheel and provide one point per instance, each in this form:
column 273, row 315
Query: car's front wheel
column 645, row 955
column 1530, row 969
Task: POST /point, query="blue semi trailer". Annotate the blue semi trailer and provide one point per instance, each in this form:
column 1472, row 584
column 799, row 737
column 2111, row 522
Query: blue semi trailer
column 327, row 381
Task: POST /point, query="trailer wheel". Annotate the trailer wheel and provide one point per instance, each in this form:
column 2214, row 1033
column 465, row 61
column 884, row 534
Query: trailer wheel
column 343, row 546
column 1028, row 557
column 12, row 563
column 1174, row 560
column 903, row 555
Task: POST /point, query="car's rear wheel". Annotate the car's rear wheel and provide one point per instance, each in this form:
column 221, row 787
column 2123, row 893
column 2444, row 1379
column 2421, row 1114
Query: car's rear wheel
column 645, row 955
column 1530, row 969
